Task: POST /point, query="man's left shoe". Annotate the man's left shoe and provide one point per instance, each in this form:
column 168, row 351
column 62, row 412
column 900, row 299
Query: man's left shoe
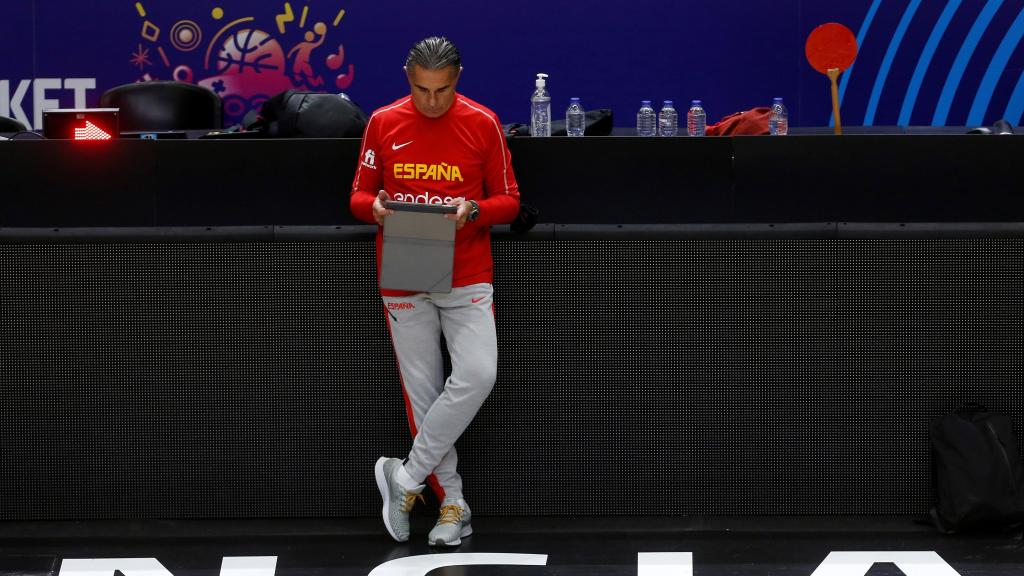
column 398, row 501
column 452, row 524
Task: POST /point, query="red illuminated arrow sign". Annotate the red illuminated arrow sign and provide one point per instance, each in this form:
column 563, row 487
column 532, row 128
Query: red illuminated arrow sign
column 91, row 132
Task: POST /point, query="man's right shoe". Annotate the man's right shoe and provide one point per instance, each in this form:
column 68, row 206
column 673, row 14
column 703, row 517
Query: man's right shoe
column 452, row 524
column 397, row 500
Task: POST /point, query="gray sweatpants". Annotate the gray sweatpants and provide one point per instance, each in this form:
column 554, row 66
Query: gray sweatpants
column 440, row 409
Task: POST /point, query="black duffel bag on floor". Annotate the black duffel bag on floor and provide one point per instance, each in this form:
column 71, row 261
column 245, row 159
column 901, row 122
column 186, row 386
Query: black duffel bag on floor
column 978, row 473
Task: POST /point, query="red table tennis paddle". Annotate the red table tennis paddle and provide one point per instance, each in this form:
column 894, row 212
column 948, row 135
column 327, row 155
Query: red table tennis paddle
column 831, row 49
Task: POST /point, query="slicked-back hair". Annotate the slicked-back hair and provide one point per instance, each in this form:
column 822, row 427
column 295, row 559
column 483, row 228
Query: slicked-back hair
column 434, row 53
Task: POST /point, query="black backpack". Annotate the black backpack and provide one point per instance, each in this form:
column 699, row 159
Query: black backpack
column 978, row 473
column 295, row 114
column 597, row 123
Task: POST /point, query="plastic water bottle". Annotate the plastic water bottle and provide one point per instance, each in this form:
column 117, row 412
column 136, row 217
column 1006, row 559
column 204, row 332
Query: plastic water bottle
column 646, row 120
column 668, row 120
column 540, row 113
column 575, row 120
column 778, row 119
column 696, row 119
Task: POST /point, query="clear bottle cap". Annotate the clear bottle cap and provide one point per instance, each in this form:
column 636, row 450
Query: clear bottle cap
column 667, row 103
column 645, row 103
column 695, row 103
column 778, row 100
column 574, row 100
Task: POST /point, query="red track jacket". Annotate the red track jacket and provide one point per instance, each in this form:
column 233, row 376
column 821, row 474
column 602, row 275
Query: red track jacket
column 432, row 160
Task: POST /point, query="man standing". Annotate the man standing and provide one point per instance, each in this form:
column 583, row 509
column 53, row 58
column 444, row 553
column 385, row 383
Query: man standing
column 437, row 146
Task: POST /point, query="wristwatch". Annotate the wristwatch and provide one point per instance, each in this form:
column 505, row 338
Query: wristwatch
column 474, row 211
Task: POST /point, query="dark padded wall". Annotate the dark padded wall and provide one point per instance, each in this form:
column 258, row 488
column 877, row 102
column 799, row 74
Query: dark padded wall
column 730, row 376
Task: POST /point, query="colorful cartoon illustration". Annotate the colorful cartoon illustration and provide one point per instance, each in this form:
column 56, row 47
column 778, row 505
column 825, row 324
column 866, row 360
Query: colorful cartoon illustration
column 243, row 62
column 302, row 71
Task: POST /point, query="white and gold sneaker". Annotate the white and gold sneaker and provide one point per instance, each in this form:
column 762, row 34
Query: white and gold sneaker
column 452, row 524
column 398, row 501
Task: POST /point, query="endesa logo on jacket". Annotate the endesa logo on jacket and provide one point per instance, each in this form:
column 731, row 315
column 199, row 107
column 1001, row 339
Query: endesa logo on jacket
column 424, row 198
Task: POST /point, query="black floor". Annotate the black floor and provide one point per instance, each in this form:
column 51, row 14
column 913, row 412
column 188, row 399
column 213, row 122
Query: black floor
column 568, row 547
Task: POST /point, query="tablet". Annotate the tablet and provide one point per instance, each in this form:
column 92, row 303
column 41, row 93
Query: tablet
column 417, row 207
column 419, row 248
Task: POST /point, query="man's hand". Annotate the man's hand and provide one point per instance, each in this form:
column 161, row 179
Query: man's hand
column 462, row 214
column 379, row 211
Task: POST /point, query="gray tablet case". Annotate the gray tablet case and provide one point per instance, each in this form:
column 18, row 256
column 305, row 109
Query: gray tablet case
column 419, row 248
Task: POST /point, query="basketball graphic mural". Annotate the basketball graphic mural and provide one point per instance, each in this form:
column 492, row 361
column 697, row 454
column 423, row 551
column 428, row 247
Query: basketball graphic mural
column 945, row 63
column 248, row 58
